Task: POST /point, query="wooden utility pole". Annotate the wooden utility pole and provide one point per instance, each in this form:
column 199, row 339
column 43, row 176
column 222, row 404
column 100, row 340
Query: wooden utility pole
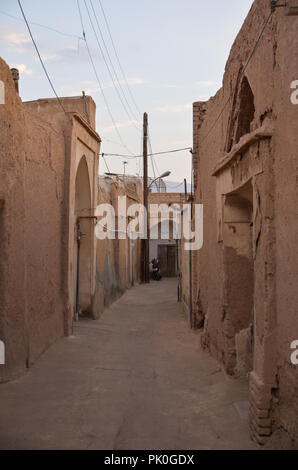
column 145, row 188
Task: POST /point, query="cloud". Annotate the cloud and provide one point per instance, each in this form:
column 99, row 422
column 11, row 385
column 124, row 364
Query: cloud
column 206, row 84
column 94, row 88
column 135, row 81
column 46, row 57
column 179, row 143
column 175, row 87
column 23, row 69
column 69, row 55
column 202, row 84
column 17, row 41
column 174, row 108
column 106, row 86
column 119, row 125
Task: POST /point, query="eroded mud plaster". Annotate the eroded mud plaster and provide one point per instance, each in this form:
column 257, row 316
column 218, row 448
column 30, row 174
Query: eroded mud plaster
column 245, row 173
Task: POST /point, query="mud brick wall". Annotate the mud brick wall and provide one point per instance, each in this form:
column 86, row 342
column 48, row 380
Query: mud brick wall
column 245, row 173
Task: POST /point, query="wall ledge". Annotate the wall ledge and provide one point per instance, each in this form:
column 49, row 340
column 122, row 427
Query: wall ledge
column 263, row 132
column 87, row 126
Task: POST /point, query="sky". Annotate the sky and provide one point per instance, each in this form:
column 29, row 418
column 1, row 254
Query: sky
column 172, row 53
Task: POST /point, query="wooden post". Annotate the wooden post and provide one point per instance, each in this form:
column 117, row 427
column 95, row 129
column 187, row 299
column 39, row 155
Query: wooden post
column 145, row 188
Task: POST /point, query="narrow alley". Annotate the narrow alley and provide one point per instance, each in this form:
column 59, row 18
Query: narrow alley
column 135, row 378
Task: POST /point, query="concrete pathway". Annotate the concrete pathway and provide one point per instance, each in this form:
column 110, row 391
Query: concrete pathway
column 135, row 379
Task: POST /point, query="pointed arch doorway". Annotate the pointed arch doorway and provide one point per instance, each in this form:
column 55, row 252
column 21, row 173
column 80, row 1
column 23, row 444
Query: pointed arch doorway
column 83, row 241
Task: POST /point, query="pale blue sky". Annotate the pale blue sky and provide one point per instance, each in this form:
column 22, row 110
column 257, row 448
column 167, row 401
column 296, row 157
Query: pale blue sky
column 173, row 53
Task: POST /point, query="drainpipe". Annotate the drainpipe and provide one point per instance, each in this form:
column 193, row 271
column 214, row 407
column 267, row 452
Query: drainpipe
column 80, row 234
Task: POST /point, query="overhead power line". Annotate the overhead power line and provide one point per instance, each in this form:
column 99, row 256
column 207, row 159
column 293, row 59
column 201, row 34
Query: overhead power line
column 112, row 65
column 103, row 156
column 152, row 158
column 118, row 60
column 105, row 60
column 44, row 26
column 99, row 82
column 104, row 139
column 41, row 61
column 153, row 163
column 149, row 154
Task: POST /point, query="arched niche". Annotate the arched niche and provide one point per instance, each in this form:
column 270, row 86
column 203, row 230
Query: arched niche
column 83, row 247
column 246, row 110
column 242, row 114
column 238, row 279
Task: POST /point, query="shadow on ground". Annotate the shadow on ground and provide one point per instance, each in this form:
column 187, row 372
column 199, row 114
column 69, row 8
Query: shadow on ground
column 134, row 379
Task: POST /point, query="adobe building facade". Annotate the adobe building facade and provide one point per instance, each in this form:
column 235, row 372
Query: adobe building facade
column 119, row 258
column 53, row 268
column 80, row 158
column 48, row 178
column 245, row 174
column 165, row 247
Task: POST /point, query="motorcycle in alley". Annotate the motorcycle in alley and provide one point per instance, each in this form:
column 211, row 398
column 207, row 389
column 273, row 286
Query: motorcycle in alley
column 156, row 275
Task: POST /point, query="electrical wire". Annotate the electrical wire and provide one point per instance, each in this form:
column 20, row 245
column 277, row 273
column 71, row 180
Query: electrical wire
column 134, row 117
column 138, row 160
column 149, row 155
column 118, row 60
column 107, row 229
column 151, row 159
column 99, row 82
column 106, row 62
column 40, row 59
column 121, row 68
column 103, row 156
column 104, row 139
column 154, row 164
column 43, row 26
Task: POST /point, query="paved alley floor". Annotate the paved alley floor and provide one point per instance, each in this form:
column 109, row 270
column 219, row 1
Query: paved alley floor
column 135, row 379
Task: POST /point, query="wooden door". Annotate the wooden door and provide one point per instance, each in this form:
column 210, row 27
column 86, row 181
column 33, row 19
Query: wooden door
column 163, row 259
column 171, row 261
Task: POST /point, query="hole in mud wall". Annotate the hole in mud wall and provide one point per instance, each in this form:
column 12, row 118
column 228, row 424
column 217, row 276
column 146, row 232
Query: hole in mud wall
column 83, row 209
column 246, row 110
column 239, row 280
